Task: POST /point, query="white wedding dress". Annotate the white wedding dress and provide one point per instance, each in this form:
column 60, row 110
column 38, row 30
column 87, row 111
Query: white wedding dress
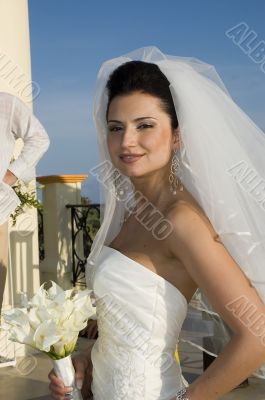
column 139, row 316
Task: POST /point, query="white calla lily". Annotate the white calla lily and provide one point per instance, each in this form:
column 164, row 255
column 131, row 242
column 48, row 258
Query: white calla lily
column 16, row 322
column 46, row 335
column 34, row 319
column 24, row 336
column 16, row 316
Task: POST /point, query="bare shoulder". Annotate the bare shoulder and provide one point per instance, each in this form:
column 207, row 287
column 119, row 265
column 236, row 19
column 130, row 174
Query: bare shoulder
column 188, row 220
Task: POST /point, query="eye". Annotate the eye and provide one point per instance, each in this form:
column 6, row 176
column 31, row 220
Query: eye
column 145, row 126
column 115, row 128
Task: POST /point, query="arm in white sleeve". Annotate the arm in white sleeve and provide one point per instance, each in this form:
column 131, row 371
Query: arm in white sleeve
column 26, row 126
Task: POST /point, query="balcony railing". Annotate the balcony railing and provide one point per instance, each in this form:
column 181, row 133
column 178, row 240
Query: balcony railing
column 85, row 222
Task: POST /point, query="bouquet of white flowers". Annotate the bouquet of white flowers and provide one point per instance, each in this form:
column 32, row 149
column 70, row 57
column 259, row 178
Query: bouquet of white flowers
column 51, row 323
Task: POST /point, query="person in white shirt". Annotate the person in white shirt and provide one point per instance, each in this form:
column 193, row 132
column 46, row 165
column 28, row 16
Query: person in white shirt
column 16, row 121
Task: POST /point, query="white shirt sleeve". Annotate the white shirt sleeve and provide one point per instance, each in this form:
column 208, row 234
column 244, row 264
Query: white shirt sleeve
column 26, row 126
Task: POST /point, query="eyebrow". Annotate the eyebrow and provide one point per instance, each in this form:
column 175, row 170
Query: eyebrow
column 135, row 120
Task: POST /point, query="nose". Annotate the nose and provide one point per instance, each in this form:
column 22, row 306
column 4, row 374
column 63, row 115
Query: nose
column 129, row 137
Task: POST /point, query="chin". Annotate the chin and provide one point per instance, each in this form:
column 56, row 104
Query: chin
column 130, row 174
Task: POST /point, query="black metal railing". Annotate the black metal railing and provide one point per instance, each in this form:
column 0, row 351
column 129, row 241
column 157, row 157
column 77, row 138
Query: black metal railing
column 41, row 235
column 85, row 222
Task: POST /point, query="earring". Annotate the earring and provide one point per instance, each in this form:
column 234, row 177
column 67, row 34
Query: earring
column 122, row 186
column 174, row 176
column 119, row 189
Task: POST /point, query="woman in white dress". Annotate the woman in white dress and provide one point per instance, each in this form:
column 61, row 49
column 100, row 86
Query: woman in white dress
column 168, row 133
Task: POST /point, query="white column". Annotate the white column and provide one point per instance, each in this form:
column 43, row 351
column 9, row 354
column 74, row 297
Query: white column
column 15, row 62
column 59, row 190
column 15, row 78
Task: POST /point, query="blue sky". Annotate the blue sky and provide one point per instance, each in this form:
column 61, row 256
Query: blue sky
column 70, row 39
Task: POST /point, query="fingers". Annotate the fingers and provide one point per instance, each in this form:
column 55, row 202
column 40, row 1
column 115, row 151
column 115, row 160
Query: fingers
column 59, row 393
column 57, row 388
column 55, row 379
column 9, row 178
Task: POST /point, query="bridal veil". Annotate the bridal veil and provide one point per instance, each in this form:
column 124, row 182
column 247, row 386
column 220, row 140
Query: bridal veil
column 222, row 161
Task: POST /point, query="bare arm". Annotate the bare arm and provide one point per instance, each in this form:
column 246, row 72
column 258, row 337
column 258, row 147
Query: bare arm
column 214, row 270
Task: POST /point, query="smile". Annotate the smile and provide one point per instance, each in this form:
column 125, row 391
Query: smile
column 130, row 159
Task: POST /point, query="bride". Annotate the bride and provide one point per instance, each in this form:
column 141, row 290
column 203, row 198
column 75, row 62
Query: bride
column 181, row 227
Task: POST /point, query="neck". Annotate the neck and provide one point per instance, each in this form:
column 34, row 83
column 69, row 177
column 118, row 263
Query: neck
column 153, row 190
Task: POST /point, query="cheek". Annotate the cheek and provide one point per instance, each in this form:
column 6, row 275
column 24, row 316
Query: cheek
column 110, row 144
column 112, row 148
column 159, row 145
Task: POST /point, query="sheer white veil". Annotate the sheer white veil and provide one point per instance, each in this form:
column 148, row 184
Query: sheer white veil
column 222, row 161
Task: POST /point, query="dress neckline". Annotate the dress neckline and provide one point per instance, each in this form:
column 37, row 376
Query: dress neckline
column 150, row 271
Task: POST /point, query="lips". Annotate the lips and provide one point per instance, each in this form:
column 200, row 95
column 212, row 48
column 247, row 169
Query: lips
column 130, row 158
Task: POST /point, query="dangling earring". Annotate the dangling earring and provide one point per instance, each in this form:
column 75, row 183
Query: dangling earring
column 119, row 187
column 174, row 176
column 122, row 186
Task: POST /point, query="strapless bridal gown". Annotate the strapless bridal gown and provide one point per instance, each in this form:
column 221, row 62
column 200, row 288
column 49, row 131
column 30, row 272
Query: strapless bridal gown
column 139, row 316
